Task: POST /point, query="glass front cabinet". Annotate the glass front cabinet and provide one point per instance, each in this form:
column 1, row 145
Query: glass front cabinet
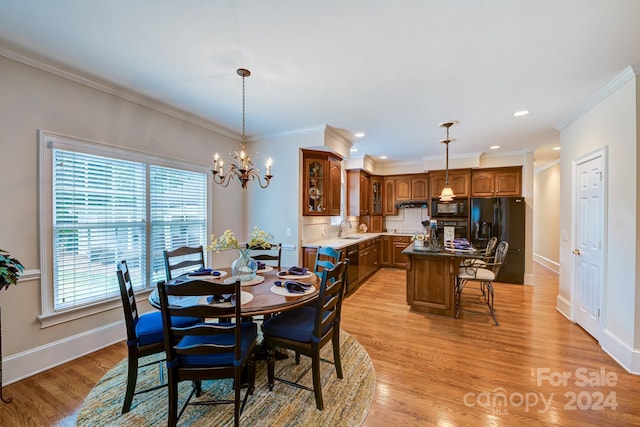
column 321, row 189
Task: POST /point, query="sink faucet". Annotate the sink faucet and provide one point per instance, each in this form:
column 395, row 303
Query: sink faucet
column 341, row 224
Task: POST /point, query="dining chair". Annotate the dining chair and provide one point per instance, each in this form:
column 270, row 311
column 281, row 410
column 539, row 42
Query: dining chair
column 486, row 256
column 182, row 260
column 207, row 350
column 483, row 277
column 144, row 335
column 307, row 329
column 270, row 256
column 326, row 258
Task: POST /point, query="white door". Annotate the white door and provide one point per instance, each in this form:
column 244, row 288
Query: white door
column 589, row 242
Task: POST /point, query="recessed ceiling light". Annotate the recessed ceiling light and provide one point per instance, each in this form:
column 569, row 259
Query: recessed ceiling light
column 353, row 150
column 494, row 147
column 556, row 148
column 521, row 113
column 383, row 157
column 359, row 134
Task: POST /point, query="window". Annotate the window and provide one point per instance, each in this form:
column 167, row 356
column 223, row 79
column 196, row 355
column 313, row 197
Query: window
column 109, row 205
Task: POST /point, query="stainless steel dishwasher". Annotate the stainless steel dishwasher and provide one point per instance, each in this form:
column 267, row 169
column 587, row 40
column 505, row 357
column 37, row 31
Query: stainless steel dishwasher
column 353, row 253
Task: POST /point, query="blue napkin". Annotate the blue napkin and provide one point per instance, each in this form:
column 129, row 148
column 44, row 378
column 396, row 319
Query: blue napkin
column 297, row 271
column 261, row 265
column 293, row 286
column 204, row 272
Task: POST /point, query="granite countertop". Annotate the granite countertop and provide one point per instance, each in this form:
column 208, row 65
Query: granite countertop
column 410, row 250
column 348, row 240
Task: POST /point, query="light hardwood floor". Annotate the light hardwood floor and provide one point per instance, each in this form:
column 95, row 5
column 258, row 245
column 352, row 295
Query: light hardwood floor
column 430, row 370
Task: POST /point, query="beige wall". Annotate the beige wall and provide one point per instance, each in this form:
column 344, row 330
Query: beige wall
column 33, row 99
column 610, row 123
column 546, row 216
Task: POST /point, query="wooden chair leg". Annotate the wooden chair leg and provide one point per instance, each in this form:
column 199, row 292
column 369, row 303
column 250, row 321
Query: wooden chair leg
column 336, row 352
column 173, row 403
column 317, row 385
column 271, row 365
column 132, row 378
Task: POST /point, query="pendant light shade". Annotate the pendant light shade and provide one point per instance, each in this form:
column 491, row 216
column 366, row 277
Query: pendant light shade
column 447, row 192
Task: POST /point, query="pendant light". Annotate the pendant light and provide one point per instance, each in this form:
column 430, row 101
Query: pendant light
column 241, row 166
column 447, row 193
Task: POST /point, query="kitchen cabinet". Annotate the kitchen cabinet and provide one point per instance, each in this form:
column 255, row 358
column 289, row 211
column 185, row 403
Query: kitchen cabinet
column 496, row 182
column 385, row 250
column 458, row 181
column 398, row 244
column 369, row 258
column 321, row 183
column 358, row 193
column 376, row 195
column 309, row 257
column 389, row 196
column 412, row 187
column 376, row 224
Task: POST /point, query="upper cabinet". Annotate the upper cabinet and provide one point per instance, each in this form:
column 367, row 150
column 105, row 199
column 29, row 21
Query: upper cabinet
column 321, row 188
column 389, row 199
column 376, row 195
column 458, row 181
column 411, row 187
column 496, row 182
column 358, row 193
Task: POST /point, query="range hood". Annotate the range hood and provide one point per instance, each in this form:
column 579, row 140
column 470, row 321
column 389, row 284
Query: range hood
column 412, row 204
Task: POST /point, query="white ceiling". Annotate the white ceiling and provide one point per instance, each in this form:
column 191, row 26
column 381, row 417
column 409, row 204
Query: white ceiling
column 391, row 69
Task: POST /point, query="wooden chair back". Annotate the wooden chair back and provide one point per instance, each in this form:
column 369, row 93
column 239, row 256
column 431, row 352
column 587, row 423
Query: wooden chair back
column 182, row 260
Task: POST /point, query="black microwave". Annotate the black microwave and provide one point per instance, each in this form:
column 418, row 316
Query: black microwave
column 456, row 208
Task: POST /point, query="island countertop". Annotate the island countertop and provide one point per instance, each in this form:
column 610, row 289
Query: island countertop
column 411, row 250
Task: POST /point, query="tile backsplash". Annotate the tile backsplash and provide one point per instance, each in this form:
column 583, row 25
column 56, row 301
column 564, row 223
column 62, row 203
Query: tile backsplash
column 407, row 220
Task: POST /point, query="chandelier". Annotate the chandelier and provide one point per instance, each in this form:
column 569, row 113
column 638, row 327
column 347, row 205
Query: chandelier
column 447, row 193
column 242, row 167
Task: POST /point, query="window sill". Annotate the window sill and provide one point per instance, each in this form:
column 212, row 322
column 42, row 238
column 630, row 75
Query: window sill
column 57, row 318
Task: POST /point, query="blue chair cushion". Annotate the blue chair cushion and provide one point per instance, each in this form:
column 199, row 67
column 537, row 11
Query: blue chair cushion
column 296, row 324
column 249, row 334
column 149, row 327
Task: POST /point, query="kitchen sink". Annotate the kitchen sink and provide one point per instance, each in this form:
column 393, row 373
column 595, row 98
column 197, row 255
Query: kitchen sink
column 352, row 237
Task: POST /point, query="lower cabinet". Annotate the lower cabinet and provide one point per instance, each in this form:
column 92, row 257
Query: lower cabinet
column 430, row 284
column 309, row 257
column 398, row 244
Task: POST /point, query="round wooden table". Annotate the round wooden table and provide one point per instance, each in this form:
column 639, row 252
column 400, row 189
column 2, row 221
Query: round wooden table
column 264, row 301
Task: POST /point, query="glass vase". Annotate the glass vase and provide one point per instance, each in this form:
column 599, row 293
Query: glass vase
column 244, row 267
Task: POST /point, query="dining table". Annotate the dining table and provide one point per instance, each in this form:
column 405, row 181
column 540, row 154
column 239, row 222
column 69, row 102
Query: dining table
column 260, row 295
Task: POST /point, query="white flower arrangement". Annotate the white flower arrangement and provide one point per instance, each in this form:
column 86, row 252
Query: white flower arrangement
column 257, row 239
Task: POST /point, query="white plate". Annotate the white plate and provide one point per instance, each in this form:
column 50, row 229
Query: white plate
column 265, row 269
column 256, row 280
column 284, row 292
column 284, row 275
column 207, row 276
column 245, row 297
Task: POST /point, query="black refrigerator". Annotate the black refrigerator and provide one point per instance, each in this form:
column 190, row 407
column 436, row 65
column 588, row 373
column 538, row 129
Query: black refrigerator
column 501, row 217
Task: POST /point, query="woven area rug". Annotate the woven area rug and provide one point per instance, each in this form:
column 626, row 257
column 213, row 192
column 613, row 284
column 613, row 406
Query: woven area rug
column 346, row 401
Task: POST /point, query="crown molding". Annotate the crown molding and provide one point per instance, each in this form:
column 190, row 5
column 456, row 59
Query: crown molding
column 112, row 89
column 627, row 74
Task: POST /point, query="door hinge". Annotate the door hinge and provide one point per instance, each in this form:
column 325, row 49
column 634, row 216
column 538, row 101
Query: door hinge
column 598, row 312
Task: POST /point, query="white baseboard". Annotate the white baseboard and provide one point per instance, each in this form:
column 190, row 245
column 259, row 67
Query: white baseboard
column 23, row 365
column 626, row 356
column 551, row 265
column 564, row 307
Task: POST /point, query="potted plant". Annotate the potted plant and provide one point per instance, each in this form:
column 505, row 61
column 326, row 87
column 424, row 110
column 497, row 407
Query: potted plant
column 10, row 270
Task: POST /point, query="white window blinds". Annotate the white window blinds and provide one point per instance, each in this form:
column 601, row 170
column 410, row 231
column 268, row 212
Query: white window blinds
column 178, row 213
column 105, row 210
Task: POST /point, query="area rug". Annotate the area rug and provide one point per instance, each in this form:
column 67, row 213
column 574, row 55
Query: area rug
column 346, row 401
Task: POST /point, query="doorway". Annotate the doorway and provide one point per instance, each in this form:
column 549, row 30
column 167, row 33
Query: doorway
column 589, row 201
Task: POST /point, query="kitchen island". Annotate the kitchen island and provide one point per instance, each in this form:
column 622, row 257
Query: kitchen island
column 431, row 279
